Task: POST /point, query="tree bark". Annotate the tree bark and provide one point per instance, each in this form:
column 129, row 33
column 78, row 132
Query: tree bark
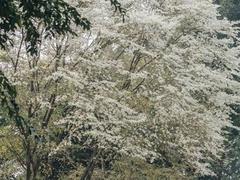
column 87, row 175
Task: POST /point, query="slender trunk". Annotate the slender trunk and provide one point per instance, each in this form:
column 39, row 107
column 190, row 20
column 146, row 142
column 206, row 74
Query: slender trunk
column 35, row 169
column 28, row 163
column 89, row 171
column 87, row 175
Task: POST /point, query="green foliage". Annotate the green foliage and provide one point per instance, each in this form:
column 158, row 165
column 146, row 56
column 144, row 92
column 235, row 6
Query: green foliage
column 56, row 16
column 232, row 165
column 229, row 167
column 7, row 95
column 9, row 20
column 230, row 9
column 119, row 8
column 8, row 103
column 136, row 169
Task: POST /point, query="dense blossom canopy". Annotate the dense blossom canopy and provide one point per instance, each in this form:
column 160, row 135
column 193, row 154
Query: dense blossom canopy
column 156, row 86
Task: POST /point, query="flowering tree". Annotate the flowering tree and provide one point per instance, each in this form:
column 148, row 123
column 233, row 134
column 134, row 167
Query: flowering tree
column 176, row 69
column 154, row 87
column 183, row 72
column 38, row 21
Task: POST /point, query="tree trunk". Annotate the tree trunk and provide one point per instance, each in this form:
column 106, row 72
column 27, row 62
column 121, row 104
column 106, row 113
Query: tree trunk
column 87, row 175
column 28, row 163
